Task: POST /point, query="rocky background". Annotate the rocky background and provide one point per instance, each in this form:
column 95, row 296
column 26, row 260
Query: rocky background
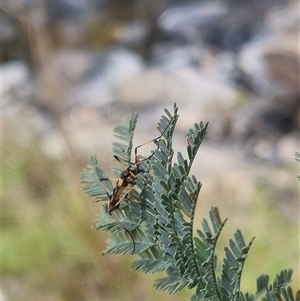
column 72, row 70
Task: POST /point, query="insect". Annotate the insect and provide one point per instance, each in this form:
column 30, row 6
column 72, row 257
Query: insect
column 128, row 177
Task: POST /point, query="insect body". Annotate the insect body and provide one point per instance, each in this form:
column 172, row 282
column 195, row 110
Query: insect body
column 116, row 197
column 128, row 177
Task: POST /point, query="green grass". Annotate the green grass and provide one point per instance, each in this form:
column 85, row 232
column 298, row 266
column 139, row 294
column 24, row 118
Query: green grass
column 277, row 241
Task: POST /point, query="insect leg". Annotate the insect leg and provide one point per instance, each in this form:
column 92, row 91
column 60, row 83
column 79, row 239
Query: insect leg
column 126, row 230
column 107, row 179
column 155, row 140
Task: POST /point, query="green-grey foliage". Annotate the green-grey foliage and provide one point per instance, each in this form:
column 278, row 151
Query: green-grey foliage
column 159, row 213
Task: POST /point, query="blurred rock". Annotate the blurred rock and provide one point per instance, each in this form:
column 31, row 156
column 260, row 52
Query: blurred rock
column 272, row 65
column 88, row 77
column 111, row 72
column 15, row 83
column 128, row 34
column 76, row 65
column 120, row 64
column 284, row 20
column 62, row 10
column 151, row 87
column 94, row 92
column 171, row 57
column 259, row 127
column 185, row 20
column 226, row 25
column 234, row 63
column 208, row 100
